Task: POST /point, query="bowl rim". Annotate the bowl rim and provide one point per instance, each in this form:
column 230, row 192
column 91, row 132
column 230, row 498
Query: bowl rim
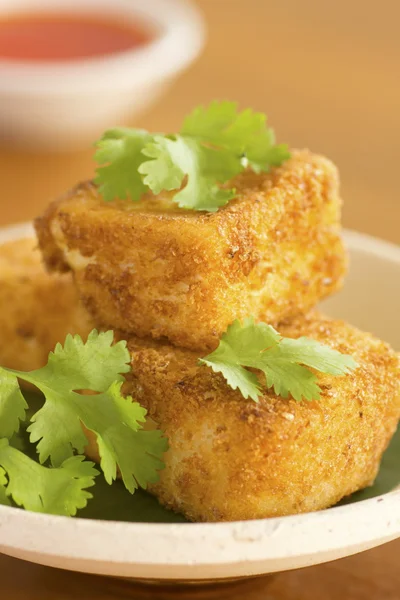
column 179, row 25
column 296, row 540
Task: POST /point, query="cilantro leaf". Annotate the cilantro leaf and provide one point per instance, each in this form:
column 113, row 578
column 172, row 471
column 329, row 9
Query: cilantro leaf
column 76, row 366
column 238, row 346
column 116, row 420
column 285, row 362
column 244, row 133
column 261, row 156
column 215, row 143
column 311, row 353
column 213, row 123
column 289, row 378
column 84, row 363
column 119, row 150
column 177, row 157
column 96, row 365
column 60, row 491
column 167, row 168
column 12, row 404
column 4, row 499
column 81, row 385
column 57, row 427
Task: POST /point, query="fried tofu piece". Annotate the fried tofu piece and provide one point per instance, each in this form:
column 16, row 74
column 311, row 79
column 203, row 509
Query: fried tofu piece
column 232, row 459
column 37, row 310
column 153, row 269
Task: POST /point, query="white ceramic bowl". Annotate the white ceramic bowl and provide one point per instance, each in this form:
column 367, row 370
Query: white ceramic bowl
column 162, row 551
column 59, row 105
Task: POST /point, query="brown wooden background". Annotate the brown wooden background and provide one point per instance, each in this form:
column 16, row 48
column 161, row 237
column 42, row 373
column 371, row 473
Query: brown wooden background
column 328, row 75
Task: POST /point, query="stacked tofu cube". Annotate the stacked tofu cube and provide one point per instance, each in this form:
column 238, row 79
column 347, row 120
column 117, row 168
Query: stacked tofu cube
column 156, row 271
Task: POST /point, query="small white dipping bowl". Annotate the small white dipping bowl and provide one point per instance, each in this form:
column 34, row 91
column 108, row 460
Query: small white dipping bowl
column 61, row 105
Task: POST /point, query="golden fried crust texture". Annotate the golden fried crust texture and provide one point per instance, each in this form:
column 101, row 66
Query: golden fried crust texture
column 155, row 270
column 36, row 310
column 231, row 458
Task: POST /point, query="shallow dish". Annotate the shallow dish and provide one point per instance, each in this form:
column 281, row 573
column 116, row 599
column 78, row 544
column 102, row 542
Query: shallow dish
column 169, row 549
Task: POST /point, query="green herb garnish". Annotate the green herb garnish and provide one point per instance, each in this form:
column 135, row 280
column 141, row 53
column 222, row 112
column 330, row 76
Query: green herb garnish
column 59, row 487
column 214, row 144
column 58, row 491
column 285, row 362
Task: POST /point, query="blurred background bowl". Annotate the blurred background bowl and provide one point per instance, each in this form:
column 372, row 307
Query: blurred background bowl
column 324, row 72
column 61, row 105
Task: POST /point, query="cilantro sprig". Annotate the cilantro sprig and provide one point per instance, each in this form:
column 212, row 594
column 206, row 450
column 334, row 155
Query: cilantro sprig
column 58, row 483
column 4, row 499
column 59, row 491
column 285, row 362
column 214, row 144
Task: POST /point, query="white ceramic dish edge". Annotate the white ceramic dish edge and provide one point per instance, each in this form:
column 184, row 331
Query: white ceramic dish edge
column 197, row 551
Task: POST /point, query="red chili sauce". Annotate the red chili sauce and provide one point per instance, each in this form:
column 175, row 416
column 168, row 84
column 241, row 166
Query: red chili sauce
column 58, row 37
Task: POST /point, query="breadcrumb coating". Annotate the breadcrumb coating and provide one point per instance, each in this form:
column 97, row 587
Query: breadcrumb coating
column 232, row 459
column 37, row 310
column 153, row 269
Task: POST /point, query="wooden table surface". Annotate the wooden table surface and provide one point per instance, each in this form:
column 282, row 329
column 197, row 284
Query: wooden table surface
column 327, row 73
column 374, row 575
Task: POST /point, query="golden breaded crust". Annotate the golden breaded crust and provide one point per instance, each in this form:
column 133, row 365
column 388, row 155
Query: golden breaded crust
column 231, row 458
column 36, row 310
column 156, row 270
